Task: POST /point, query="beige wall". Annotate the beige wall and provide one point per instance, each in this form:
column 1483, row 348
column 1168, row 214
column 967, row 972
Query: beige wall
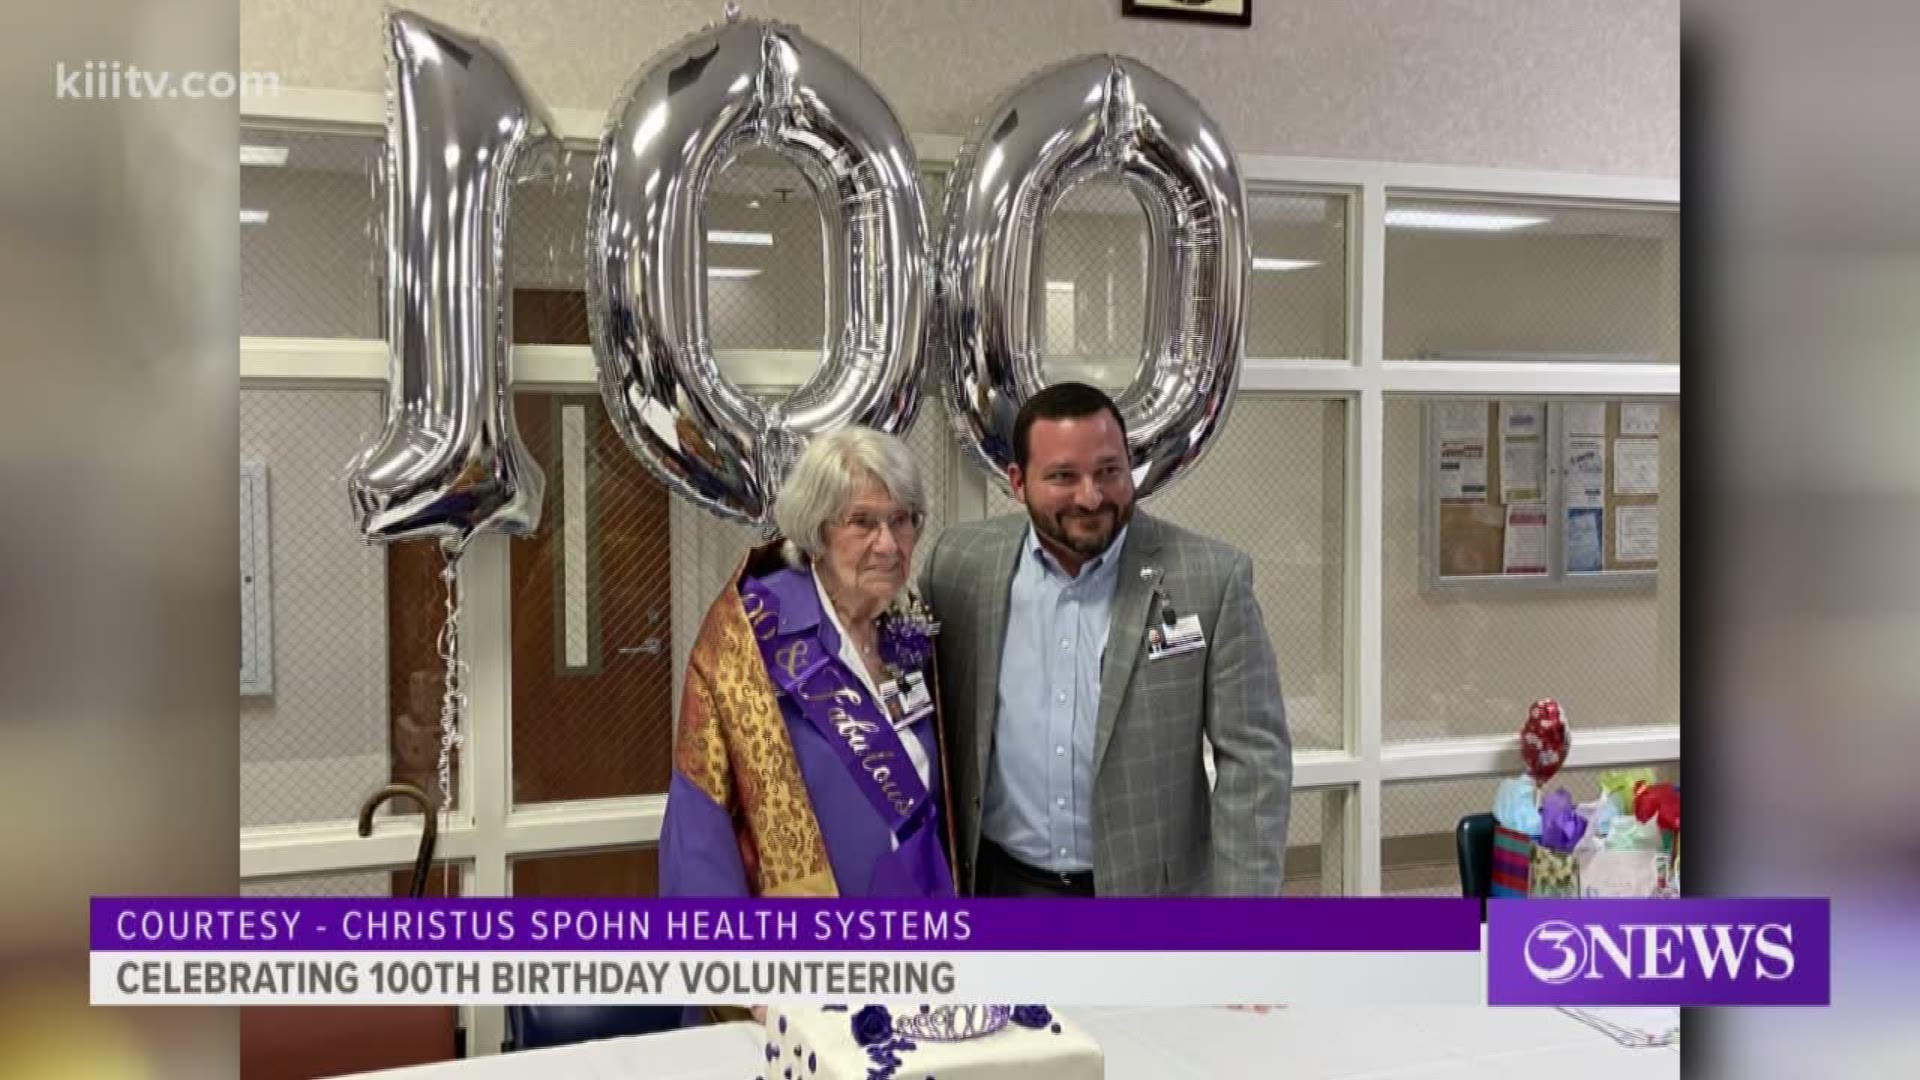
column 1543, row 84
column 318, row 745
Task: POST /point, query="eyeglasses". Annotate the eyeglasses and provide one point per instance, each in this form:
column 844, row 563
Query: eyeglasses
column 866, row 526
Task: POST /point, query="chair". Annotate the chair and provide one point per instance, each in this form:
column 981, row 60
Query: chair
column 535, row 1027
column 1473, row 846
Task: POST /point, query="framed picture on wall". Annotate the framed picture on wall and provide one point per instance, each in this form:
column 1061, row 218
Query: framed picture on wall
column 1230, row 12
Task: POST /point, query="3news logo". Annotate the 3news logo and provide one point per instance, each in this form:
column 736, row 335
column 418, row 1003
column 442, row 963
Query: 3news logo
column 1559, row 952
column 1658, row 952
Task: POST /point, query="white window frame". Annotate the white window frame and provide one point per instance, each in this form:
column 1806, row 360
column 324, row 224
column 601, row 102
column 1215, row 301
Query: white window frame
column 488, row 832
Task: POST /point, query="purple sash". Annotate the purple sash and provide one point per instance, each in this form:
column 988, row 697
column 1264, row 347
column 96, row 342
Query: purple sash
column 836, row 703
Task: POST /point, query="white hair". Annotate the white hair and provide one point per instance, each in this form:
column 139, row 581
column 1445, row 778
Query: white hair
column 830, row 471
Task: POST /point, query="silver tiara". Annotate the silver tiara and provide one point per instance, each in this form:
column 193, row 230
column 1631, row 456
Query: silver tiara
column 954, row 1023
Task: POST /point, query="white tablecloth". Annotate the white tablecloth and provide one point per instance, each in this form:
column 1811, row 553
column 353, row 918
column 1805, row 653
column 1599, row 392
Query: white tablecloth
column 1427, row 1043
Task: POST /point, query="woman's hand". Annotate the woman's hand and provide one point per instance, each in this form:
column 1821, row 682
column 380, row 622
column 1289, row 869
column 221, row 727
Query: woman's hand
column 759, row 1014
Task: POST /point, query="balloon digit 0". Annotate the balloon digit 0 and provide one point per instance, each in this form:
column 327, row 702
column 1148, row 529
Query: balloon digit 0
column 682, row 118
column 1110, row 116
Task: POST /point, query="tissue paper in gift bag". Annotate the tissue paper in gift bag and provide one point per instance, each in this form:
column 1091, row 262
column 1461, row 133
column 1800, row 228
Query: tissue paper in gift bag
column 1554, row 874
column 1512, row 856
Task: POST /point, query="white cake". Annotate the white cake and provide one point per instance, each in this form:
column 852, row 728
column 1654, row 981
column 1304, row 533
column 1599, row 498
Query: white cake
column 948, row 1042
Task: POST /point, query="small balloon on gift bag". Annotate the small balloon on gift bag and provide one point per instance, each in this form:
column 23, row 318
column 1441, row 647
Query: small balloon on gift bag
column 1544, row 740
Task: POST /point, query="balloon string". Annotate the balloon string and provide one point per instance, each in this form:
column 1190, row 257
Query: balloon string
column 453, row 701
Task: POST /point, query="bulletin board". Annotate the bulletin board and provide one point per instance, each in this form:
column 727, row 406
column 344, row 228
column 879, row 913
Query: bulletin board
column 1528, row 492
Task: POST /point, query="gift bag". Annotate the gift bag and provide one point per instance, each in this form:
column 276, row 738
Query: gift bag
column 1553, row 874
column 1629, row 863
column 1512, row 859
column 1618, row 874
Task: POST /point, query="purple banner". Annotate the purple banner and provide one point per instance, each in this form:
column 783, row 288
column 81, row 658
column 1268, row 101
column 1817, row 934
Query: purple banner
column 1658, row 952
column 209, row 924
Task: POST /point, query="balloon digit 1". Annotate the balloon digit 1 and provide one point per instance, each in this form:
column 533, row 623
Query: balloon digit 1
column 461, row 128
column 1112, row 116
column 683, row 117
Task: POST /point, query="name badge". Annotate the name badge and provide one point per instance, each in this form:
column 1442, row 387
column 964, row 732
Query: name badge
column 907, row 699
column 1184, row 636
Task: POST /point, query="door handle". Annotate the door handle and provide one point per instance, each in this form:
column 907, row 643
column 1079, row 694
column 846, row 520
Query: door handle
column 653, row 646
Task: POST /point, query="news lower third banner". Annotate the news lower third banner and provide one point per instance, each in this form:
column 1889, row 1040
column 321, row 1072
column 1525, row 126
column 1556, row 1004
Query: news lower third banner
column 1390, row 951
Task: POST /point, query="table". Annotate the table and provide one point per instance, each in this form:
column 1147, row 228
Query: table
column 1415, row 1043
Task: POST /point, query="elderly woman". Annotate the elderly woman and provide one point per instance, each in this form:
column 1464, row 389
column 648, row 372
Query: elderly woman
column 808, row 756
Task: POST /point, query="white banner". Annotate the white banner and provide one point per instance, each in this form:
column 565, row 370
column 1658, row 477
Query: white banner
column 736, row 978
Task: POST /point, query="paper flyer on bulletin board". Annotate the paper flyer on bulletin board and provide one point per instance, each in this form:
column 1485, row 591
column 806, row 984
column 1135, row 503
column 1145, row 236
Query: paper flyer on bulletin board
column 1585, row 539
column 1522, row 418
column 1638, row 533
column 1520, row 468
column 1639, row 418
column 1463, row 471
column 1461, row 421
column 1584, row 417
column 1526, row 540
column 1636, row 466
column 1583, row 475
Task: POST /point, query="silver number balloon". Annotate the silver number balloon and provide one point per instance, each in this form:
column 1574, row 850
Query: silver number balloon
column 461, row 129
column 1096, row 116
column 684, row 116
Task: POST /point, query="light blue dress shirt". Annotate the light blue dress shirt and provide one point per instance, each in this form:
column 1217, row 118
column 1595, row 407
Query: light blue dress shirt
column 1039, row 800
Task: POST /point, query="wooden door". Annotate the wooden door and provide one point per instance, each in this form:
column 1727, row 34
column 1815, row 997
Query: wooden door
column 592, row 605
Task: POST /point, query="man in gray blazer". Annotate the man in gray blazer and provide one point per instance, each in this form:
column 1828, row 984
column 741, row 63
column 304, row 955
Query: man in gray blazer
column 1086, row 652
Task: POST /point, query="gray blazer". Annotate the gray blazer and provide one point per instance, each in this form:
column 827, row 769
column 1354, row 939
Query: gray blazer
column 1157, row 829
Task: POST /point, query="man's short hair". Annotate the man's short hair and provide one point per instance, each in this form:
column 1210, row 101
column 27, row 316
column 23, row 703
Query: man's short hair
column 1061, row 401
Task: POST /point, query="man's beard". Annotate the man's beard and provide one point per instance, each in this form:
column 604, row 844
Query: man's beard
column 1085, row 545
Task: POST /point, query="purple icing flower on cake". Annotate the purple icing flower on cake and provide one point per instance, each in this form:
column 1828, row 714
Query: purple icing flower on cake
column 872, row 1025
column 1032, row 1016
